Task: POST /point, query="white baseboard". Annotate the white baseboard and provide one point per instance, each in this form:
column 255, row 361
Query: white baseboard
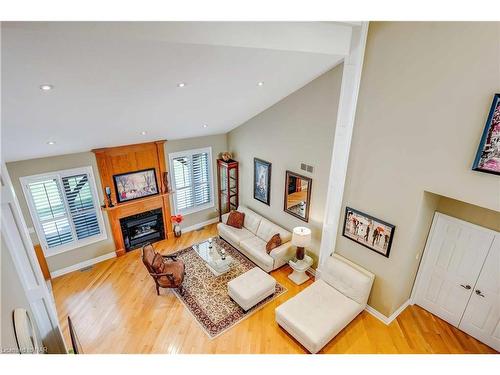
column 384, row 319
column 200, row 225
column 79, row 266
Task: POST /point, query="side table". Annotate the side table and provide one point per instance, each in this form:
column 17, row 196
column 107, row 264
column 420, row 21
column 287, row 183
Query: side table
column 299, row 275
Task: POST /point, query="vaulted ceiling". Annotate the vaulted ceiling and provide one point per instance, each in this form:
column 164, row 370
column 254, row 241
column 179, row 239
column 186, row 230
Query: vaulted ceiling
column 118, row 82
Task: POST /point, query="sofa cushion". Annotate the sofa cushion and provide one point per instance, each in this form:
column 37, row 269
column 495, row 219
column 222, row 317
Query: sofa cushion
column 236, row 219
column 273, row 243
column 317, row 314
column 267, row 230
column 348, row 278
column 233, row 234
column 256, row 248
column 252, row 219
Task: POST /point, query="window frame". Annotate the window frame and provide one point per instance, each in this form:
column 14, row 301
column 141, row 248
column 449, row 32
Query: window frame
column 190, row 153
column 59, row 175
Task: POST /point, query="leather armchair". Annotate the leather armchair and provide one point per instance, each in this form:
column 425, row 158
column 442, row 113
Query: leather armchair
column 166, row 270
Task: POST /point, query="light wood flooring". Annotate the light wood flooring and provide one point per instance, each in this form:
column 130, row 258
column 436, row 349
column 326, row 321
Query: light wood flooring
column 115, row 309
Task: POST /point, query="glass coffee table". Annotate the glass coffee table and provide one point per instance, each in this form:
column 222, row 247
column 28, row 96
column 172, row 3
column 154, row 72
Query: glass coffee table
column 215, row 257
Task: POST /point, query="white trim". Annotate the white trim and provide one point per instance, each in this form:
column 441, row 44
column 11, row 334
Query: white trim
column 200, row 225
column 190, row 153
column 79, row 266
column 18, row 242
column 384, row 319
column 58, row 175
column 349, row 90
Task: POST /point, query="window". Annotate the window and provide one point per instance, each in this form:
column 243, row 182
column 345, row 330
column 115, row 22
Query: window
column 191, row 174
column 64, row 208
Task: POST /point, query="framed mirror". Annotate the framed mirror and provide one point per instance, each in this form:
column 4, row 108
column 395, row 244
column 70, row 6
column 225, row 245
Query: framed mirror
column 297, row 195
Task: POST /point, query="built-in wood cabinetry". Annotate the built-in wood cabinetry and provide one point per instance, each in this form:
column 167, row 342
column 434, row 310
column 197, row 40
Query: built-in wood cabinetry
column 124, row 159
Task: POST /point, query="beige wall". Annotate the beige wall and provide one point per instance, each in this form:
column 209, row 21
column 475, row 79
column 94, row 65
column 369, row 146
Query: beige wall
column 218, row 144
column 298, row 129
column 13, row 296
column 425, row 93
column 23, row 168
column 473, row 214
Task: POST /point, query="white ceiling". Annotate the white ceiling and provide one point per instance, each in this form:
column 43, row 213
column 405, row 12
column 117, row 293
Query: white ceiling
column 114, row 80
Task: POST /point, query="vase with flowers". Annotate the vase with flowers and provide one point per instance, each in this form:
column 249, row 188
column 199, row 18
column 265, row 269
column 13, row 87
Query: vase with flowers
column 177, row 220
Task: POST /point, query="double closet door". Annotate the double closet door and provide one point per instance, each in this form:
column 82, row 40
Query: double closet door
column 459, row 278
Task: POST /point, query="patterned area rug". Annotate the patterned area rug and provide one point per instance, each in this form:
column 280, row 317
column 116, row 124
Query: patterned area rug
column 205, row 295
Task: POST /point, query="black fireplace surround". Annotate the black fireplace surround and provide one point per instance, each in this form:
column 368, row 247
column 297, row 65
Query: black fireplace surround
column 142, row 228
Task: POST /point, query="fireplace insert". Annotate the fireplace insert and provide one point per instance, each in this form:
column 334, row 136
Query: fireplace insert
column 142, row 228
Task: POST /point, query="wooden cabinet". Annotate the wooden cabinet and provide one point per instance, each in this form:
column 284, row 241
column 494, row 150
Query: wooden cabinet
column 228, row 186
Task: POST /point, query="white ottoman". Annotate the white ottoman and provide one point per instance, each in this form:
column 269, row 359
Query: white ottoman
column 250, row 288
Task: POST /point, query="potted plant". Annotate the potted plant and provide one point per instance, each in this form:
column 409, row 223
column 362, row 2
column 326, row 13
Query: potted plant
column 177, row 219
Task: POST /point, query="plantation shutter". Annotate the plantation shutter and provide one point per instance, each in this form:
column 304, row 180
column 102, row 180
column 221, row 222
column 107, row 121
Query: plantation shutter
column 81, row 205
column 201, row 185
column 192, row 179
column 64, row 209
column 183, row 182
column 51, row 212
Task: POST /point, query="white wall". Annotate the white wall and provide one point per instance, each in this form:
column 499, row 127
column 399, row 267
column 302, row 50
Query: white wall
column 298, row 129
column 425, row 93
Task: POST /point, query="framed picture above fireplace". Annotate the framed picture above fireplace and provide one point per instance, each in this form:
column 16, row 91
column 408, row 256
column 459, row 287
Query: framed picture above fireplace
column 135, row 185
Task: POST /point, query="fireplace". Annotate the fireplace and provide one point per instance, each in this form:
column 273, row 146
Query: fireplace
column 142, row 228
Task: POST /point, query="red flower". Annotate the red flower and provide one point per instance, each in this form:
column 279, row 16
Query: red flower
column 177, row 218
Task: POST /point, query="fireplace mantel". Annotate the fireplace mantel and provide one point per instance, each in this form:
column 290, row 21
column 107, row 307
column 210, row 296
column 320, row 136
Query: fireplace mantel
column 124, row 159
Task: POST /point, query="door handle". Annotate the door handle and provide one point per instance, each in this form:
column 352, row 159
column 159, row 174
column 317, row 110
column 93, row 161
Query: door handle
column 465, row 286
column 478, row 292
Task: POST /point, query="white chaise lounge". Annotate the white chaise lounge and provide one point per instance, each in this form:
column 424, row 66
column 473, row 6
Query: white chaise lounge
column 251, row 240
column 318, row 313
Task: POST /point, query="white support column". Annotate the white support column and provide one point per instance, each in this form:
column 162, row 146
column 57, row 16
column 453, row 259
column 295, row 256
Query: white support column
column 351, row 78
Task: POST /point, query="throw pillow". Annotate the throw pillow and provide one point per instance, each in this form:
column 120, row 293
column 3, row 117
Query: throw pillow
column 274, row 242
column 236, row 219
column 157, row 264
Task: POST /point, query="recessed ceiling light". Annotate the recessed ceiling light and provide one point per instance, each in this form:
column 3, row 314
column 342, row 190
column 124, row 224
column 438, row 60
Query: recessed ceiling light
column 51, row 142
column 205, row 125
column 46, row 87
column 144, row 132
column 181, row 84
column 260, row 83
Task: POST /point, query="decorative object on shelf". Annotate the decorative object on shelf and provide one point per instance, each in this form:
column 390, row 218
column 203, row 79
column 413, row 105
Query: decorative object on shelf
column 262, row 181
column 166, row 184
column 228, row 186
column 488, row 154
column 297, row 195
column 108, row 195
column 301, row 237
column 368, row 231
column 177, row 220
column 299, row 267
column 135, row 185
column 226, row 156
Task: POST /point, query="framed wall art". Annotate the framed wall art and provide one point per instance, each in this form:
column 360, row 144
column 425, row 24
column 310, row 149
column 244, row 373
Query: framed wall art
column 488, row 153
column 368, row 231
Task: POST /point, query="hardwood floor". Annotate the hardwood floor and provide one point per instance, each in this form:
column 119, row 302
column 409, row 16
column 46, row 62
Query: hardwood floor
column 115, row 309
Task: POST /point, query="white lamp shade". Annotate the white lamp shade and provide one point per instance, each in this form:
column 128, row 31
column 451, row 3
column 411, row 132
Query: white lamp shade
column 301, row 236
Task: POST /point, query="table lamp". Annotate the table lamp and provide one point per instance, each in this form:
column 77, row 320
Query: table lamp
column 301, row 237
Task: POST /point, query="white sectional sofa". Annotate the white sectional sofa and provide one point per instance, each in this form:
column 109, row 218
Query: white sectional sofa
column 251, row 240
column 318, row 313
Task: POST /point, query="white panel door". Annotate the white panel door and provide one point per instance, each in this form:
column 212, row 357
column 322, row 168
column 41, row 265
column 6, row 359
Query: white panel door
column 454, row 255
column 482, row 316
